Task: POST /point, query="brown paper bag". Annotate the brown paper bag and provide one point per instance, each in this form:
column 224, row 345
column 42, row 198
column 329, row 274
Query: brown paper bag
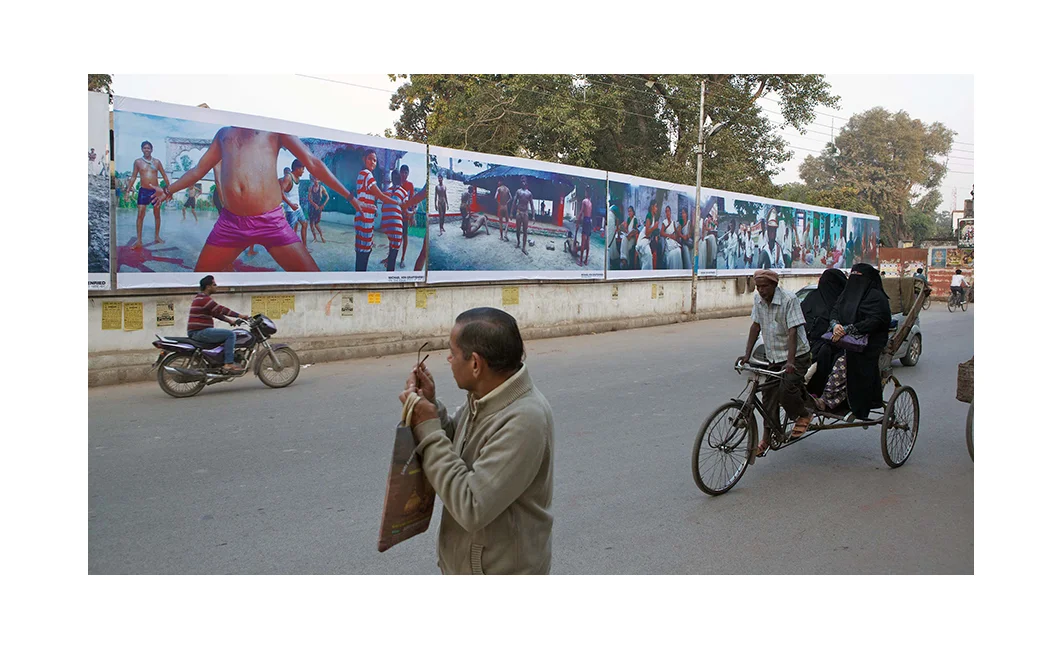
column 409, row 499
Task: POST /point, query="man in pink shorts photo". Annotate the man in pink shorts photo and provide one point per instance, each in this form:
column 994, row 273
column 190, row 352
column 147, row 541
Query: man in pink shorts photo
column 252, row 212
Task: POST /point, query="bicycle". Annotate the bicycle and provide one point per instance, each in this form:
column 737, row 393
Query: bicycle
column 958, row 299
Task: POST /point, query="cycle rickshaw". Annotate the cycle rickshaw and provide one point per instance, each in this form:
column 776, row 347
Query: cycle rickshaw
column 726, row 443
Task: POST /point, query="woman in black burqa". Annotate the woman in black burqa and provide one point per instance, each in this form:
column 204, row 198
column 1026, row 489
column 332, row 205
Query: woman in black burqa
column 862, row 308
column 817, row 307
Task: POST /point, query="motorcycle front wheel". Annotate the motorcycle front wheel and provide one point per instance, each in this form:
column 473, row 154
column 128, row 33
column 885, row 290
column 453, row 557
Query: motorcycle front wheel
column 278, row 375
column 175, row 385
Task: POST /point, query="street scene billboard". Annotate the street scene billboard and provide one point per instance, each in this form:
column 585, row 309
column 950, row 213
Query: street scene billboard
column 501, row 218
column 750, row 232
column 99, row 182
column 650, row 226
column 255, row 200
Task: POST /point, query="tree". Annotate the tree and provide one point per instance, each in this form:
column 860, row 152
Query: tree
column 839, row 198
column 892, row 162
column 100, row 83
column 636, row 124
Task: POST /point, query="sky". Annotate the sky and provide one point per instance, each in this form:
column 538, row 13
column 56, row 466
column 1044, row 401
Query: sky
column 359, row 103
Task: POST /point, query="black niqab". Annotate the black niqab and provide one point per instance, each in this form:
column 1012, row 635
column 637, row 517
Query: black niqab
column 863, row 280
column 817, row 305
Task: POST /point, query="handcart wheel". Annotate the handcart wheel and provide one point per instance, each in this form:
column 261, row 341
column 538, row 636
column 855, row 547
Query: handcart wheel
column 722, row 449
column 900, row 426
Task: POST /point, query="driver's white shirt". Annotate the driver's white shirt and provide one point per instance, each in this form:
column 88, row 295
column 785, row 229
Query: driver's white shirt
column 958, row 281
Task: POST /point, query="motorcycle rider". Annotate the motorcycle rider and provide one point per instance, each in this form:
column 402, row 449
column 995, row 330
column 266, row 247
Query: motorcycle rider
column 201, row 322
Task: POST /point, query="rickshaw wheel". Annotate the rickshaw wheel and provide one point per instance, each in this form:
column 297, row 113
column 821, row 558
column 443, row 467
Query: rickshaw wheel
column 900, row 426
column 970, row 430
column 722, row 448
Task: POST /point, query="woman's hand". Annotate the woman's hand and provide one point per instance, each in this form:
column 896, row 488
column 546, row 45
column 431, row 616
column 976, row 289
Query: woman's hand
column 838, row 333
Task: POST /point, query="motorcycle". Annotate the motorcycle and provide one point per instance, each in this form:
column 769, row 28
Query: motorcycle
column 186, row 366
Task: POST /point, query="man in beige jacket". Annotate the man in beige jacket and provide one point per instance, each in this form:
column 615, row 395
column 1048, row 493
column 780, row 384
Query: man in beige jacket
column 492, row 462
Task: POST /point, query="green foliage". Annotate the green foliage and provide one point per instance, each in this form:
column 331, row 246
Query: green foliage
column 839, row 198
column 635, row 124
column 186, row 162
column 100, row 83
column 891, row 160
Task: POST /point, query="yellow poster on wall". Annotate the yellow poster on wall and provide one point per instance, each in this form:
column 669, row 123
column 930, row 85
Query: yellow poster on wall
column 258, row 304
column 111, row 316
column 510, row 296
column 133, row 313
column 273, row 306
column 653, row 292
column 374, row 298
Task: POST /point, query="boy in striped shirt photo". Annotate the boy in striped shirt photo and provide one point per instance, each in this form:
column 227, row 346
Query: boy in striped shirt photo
column 368, row 193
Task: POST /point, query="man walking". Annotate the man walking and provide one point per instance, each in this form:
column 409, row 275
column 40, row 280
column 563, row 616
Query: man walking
column 777, row 315
column 492, row 462
column 523, row 206
column 503, row 198
column 201, row 322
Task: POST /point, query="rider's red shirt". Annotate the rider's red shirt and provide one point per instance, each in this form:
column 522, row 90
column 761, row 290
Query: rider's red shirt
column 203, row 312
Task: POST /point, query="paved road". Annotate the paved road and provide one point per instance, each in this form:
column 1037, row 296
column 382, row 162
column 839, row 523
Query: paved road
column 245, row 479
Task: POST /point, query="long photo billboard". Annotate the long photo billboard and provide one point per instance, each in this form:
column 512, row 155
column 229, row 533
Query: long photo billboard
column 259, row 201
column 256, row 201
column 501, row 218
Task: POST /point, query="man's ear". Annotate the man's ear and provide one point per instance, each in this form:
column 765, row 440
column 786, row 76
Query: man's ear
column 477, row 364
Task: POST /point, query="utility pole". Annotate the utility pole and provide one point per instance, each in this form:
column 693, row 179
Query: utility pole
column 697, row 207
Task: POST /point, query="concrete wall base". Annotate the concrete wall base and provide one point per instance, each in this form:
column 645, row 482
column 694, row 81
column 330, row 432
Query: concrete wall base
column 395, row 325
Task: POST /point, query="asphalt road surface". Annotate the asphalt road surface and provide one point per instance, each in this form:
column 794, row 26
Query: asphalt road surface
column 250, row 480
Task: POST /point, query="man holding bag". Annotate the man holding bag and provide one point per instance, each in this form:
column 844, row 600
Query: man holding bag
column 492, row 462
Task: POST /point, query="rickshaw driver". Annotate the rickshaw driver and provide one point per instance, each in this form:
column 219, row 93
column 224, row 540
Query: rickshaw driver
column 777, row 315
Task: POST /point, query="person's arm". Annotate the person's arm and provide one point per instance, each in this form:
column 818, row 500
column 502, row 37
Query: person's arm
column 412, row 202
column 324, row 203
column 211, row 158
column 220, row 312
column 379, row 193
column 132, row 177
column 754, row 332
column 162, row 170
column 791, row 350
column 506, row 466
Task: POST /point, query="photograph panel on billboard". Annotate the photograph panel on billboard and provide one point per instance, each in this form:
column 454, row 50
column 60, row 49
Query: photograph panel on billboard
column 651, row 228
column 255, row 200
column 757, row 233
column 99, row 179
column 502, row 218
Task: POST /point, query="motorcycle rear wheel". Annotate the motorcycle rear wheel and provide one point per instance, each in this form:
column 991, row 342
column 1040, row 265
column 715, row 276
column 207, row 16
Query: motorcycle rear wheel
column 170, row 385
